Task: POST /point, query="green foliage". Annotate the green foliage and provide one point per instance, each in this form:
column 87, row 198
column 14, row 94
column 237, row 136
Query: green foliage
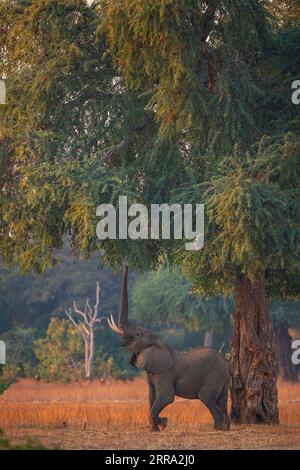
column 20, row 360
column 51, row 82
column 119, row 366
column 29, row 444
column 284, row 14
column 4, row 385
column 252, row 209
column 193, row 60
column 60, row 352
column 68, row 103
column 65, row 107
column 165, row 299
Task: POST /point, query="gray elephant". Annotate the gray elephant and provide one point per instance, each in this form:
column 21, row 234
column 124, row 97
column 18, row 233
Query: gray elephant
column 201, row 373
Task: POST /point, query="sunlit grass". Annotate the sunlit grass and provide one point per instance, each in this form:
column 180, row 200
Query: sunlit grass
column 111, row 404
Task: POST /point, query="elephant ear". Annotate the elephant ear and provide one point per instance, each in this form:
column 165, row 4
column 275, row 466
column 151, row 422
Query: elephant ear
column 156, row 359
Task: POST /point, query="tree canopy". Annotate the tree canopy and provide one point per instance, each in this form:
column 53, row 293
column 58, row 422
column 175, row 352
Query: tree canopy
column 162, row 101
column 170, row 296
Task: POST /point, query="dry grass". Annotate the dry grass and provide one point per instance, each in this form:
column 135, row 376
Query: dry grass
column 115, row 415
column 27, row 390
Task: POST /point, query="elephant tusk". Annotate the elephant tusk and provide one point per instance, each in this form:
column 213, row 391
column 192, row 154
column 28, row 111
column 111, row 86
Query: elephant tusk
column 117, row 328
column 113, row 326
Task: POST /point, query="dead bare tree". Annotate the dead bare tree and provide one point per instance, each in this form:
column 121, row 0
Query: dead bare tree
column 85, row 322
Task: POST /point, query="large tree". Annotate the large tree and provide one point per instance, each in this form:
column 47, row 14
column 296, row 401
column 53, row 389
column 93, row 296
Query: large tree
column 219, row 83
column 252, row 234
column 154, row 99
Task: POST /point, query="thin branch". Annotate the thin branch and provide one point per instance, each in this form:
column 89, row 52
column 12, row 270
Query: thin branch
column 84, row 328
column 83, row 314
column 97, row 301
column 68, row 313
column 89, row 310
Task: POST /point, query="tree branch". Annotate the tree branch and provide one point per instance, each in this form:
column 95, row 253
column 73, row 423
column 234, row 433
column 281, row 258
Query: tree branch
column 68, row 313
column 83, row 314
column 97, row 301
column 114, row 151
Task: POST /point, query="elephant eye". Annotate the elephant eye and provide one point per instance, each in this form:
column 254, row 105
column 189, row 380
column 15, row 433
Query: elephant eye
column 137, row 334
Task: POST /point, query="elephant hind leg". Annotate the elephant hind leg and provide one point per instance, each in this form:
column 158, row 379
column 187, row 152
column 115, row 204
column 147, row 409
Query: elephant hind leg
column 222, row 403
column 210, row 401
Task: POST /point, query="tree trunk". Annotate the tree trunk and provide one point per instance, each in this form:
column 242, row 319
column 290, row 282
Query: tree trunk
column 86, row 356
column 253, row 357
column 91, row 355
column 208, row 338
column 288, row 370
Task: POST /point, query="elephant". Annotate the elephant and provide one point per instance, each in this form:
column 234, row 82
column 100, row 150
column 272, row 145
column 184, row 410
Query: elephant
column 201, row 373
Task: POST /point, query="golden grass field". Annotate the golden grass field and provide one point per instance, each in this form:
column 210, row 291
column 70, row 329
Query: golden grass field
column 114, row 415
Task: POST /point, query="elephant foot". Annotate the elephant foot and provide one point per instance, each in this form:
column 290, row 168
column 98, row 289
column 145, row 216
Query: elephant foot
column 154, row 428
column 163, row 422
column 218, row 427
column 222, row 427
column 227, row 425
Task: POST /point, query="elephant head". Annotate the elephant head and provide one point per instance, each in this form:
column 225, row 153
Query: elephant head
column 134, row 338
column 148, row 352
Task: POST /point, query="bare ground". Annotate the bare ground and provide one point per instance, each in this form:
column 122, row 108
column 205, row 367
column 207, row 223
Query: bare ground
column 240, row 437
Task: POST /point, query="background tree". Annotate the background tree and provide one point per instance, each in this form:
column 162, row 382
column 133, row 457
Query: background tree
column 20, row 358
column 86, row 322
column 165, row 299
column 40, row 297
column 285, row 315
column 25, row 317
column 60, row 352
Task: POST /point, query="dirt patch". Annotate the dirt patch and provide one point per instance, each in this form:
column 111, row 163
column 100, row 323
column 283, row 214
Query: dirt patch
column 240, row 437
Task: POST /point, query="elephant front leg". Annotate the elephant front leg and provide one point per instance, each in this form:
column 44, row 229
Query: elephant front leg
column 159, row 404
column 153, row 426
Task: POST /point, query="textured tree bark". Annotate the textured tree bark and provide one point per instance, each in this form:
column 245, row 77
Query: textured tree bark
column 253, row 357
column 208, row 338
column 288, row 370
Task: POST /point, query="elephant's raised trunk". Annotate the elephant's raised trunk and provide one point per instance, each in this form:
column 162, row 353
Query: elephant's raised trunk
column 123, row 315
